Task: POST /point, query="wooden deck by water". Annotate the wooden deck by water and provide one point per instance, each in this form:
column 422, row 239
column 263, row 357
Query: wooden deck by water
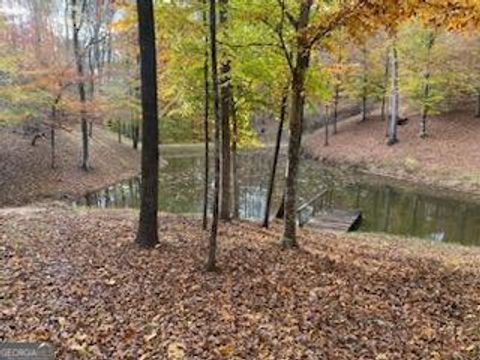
column 336, row 220
column 319, row 214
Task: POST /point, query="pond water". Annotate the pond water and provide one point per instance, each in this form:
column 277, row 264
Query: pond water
column 385, row 207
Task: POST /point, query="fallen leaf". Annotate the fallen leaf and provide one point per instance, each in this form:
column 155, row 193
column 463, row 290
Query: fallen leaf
column 175, row 351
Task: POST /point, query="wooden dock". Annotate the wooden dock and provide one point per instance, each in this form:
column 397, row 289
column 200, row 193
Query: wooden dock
column 336, row 220
column 318, row 213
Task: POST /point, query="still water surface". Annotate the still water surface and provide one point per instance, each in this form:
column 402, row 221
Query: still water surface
column 385, row 207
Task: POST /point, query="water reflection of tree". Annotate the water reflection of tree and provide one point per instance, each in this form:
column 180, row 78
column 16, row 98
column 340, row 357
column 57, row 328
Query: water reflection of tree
column 385, row 208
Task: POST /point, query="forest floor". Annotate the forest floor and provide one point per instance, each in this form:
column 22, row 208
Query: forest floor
column 26, row 175
column 449, row 158
column 75, row 278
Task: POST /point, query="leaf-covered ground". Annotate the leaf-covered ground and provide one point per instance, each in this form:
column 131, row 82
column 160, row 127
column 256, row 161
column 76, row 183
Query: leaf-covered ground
column 448, row 158
column 74, row 277
column 26, row 176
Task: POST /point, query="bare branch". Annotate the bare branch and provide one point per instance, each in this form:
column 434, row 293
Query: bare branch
column 288, row 14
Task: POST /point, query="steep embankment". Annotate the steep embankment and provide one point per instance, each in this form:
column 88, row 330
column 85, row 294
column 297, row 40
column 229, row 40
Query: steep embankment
column 75, row 279
column 26, row 176
column 449, row 157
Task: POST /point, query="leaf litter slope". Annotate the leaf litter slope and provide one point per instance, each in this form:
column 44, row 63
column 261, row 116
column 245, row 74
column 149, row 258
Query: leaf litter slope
column 26, row 176
column 449, row 157
column 75, row 278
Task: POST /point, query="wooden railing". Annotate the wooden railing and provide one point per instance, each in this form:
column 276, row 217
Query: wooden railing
column 309, row 209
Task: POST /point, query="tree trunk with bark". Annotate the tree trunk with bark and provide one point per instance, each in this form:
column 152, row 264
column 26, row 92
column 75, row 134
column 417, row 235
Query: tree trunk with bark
column 52, row 146
column 212, row 241
column 81, row 82
column 423, row 126
column 206, row 114
column 289, row 237
column 392, row 133
column 364, row 83
column 91, row 66
column 236, row 185
column 326, row 124
column 137, row 122
column 278, row 142
column 135, row 134
column 385, row 86
column 119, row 131
column 336, row 101
column 336, row 95
column 281, row 209
column 426, row 93
column 147, row 235
column 52, row 132
column 226, row 105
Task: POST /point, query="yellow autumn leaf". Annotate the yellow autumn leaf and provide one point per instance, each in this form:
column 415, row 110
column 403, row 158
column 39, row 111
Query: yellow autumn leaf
column 80, row 349
column 471, row 348
column 175, row 351
column 226, row 350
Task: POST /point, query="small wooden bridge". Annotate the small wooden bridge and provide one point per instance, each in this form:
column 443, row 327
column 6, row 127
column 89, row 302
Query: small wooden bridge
column 318, row 213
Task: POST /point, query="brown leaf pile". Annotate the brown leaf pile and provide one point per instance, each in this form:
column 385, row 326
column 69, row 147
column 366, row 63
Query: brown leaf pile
column 26, row 176
column 74, row 277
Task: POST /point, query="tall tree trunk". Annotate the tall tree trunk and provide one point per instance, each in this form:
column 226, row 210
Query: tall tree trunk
column 426, row 93
column 289, row 237
column 236, row 185
column 147, row 235
column 137, row 121
column 91, row 66
column 39, row 26
column 52, row 133
column 392, row 133
column 81, row 82
column 119, row 131
column 336, row 96
column 385, row 86
column 66, row 25
column 132, row 129
column 423, row 126
column 278, row 142
column 226, row 105
column 336, row 101
column 212, row 241
column 364, row 84
column 326, row 123
column 52, row 147
column 136, row 134
column 281, row 209
column 206, row 118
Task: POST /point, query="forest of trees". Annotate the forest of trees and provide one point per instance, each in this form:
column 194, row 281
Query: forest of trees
column 240, row 179
column 219, row 63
